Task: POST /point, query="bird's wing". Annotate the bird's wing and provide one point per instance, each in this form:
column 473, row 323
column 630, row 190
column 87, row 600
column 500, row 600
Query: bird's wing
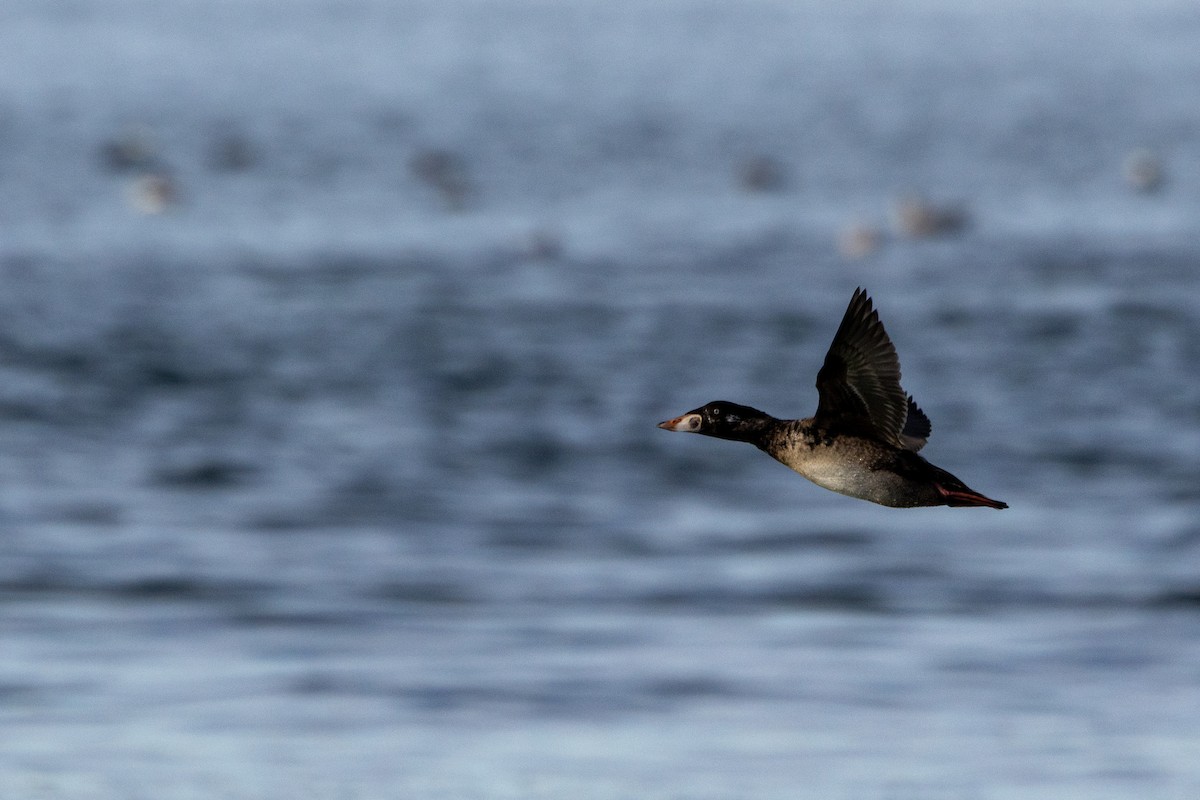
column 859, row 384
column 917, row 427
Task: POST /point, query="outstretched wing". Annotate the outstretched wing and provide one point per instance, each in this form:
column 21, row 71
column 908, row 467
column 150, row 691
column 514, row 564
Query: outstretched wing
column 917, row 427
column 859, row 384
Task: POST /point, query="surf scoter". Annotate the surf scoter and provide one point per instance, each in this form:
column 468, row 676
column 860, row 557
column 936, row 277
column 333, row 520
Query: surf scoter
column 864, row 438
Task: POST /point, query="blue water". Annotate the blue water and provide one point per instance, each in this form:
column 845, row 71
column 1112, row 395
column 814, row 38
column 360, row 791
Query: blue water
column 334, row 474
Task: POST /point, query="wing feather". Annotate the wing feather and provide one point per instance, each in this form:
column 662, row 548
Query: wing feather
column 859, row 383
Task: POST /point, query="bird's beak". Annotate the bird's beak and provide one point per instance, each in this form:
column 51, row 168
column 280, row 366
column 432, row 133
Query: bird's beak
column 688, row 423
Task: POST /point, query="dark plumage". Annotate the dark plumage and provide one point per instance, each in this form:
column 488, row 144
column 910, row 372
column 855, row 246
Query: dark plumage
column 864, row 438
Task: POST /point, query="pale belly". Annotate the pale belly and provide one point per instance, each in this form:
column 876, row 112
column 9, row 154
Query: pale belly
column 854, row 476
column 837, row 475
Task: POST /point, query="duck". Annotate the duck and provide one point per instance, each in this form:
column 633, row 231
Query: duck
column 916, row 217
column 864, row 438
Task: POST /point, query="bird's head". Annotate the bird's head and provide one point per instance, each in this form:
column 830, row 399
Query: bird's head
column 723, row 420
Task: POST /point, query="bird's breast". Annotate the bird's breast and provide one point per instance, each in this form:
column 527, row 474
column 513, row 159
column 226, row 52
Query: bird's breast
column 824, row 466
column 844, row 464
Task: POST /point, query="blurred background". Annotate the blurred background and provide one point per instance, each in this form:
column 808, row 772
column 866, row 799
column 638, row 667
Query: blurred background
column 333, row 335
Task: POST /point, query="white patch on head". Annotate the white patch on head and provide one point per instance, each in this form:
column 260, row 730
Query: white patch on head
column 688, row 423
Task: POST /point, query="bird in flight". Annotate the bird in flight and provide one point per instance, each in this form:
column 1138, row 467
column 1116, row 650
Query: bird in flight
column 864, row 438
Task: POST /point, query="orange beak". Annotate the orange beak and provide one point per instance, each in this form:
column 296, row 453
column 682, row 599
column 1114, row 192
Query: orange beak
column 688, row 423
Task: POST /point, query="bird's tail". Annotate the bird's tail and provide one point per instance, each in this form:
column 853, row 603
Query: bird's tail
column 960, row 495
column 956, row 493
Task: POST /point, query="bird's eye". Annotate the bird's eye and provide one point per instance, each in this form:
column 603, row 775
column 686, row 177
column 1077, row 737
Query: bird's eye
column 716, row 412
